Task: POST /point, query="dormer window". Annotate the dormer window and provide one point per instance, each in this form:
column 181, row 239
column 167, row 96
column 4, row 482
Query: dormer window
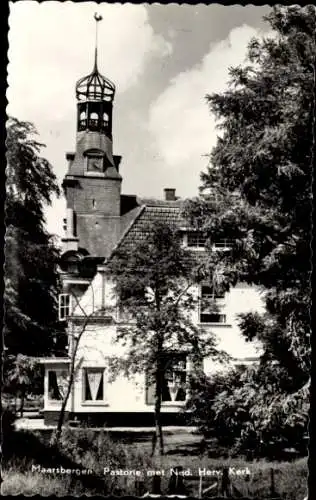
column 196, row 239
column 222, row 244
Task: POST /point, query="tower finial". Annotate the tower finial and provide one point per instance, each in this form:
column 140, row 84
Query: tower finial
column 97, row 18
column 95, row 86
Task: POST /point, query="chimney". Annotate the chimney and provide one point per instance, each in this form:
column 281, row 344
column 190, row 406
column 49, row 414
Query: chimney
column 170, row 194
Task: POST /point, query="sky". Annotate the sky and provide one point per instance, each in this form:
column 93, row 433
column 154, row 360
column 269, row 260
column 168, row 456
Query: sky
column 163, row 59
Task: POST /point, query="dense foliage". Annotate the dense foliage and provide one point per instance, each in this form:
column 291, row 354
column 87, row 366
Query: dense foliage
column 31, row 280
column 257, row 192
column 23, row 375
column 248, row 413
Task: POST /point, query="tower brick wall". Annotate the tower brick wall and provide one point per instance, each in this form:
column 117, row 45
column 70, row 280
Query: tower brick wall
column 93, row 183
column 95, row 195
column 98, row 233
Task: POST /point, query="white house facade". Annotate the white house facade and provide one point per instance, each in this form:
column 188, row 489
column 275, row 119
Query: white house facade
column 100, row 219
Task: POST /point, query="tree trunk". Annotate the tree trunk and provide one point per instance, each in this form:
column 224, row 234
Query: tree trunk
column 61, row 417
column 22, row 397
column 158, row 435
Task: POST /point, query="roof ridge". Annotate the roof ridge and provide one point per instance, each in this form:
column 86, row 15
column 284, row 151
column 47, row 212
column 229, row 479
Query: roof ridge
column 152, row 202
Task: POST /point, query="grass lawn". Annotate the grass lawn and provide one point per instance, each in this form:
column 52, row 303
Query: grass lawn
column 27, row 483
column 95, row 451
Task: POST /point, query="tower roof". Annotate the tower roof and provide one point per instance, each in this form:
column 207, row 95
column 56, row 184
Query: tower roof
column 94, row 86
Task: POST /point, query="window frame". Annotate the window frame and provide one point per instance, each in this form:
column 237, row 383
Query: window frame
column 166, row 403
column 64, row 307
column 222, row 245
column 201, row 239
column 220, row 303
column 93, row 402
column 54, row 370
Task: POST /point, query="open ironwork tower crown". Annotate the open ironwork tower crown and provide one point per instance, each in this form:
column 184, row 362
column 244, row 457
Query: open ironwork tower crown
column 95, row 95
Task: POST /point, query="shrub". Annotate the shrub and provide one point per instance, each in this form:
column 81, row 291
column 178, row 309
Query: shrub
column 95, row 449
column 250, row 414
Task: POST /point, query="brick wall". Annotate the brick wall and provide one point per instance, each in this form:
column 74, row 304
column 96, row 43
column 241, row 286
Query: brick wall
column 98, row 234
column 96, row 203
column 95, row 195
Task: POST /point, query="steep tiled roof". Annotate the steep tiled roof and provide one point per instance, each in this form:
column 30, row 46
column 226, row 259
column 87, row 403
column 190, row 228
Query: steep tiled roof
column 148, row 212
column 128, row 220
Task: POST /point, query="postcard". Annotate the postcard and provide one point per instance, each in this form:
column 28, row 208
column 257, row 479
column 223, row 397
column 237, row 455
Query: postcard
column 158, row 250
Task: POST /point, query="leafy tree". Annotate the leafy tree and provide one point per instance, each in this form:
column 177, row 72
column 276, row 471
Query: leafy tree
column 31, row 280
column 20, row 377
column 257, row 192
column 155, row 282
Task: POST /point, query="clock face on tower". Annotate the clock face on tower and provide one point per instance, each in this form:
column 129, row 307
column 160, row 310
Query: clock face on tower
column 95, row 164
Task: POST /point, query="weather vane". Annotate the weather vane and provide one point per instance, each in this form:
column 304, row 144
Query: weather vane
column 97, row 18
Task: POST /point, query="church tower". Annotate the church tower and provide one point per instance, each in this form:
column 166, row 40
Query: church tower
column 92, row 185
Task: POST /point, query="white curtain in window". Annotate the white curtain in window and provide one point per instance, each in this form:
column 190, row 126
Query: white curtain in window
column 62, row 382
column 94, row 380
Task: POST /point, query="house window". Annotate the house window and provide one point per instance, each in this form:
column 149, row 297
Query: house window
column 211, row 303
column 93, row 384
column 196, row 239
column 63, row 306
column 223, row 244
column 174, row 383
column 57, row 384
